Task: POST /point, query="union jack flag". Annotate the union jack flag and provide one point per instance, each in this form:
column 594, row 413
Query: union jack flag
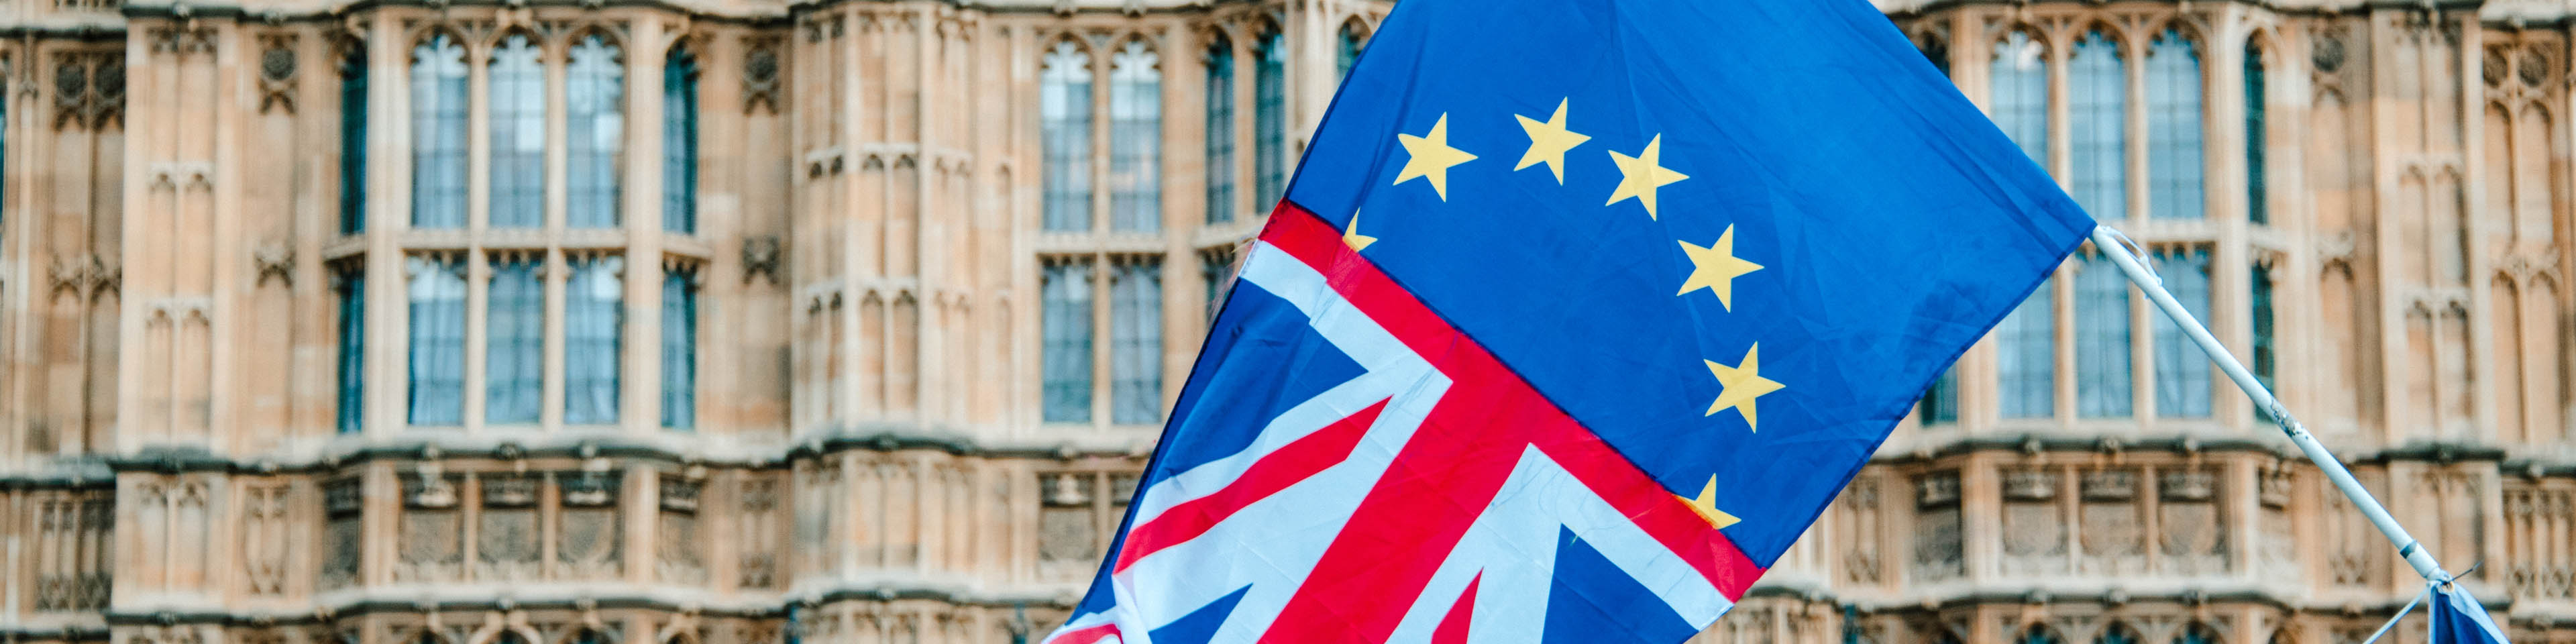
column 1451, row 399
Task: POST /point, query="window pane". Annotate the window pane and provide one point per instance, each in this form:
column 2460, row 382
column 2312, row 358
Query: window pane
column 1064, row 106
column 1066, row 326
column 1136, row 352
column 679, row 349
column 2103, row 379
column 2026, row 357
column 1937, row 51
column 680, row 142
column 518, row 134
column 1216, row 267
column 437, row 294
column 1940, row 403
column 2265, row 361
column 2182, row 373
column 1270, row 123
column 2097, row 104
column 594, row 325
column 2173, row 128
column 1136, row 139
column 2020, row 93
column 353, row 350
column 595, row 131
column 2258, row 207
column 1349, row 53
column 515, row 345
column 353, row 138
column 1220, row 132
column 438, row 133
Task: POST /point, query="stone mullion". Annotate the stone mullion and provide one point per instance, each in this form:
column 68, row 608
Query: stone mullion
column 470, row 513
column 478, row 336
column 2061, row 288
column 388, row 214
column 642, row 501
column 640, row 385
column 2150, row 515
column 2383, row 135
column 2224, row 182
column 1181, row 324
column 2241, row 518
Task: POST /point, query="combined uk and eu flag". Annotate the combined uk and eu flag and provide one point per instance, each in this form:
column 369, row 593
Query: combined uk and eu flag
column 1577, row 313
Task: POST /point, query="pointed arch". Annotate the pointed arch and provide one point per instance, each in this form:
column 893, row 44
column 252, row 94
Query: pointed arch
column 2097, row 108
column 2198, row 633
column 354, row 69
column 1219, row 128
column 2174, row 137
column 2037, row 633
column 2018, row 89
column 1064, row 109
column 1349, row 40
column 515, row 102
column 594, row 128
column 2257, row 135
column 438, row 130
column 1270, row 153
column 2512, row 404
column 2118, row 632
column 1136, row 137
column 680, row 139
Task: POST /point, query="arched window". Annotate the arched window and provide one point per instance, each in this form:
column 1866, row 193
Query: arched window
column 1269, row 121
column 1935, row 50
column 1940, row 403
column 2173, row 128
column 594, row 320
column 514, row 330
column 2197, row 634
column 2020, row 93
column 594, row 131
column 1064, row 288
column 437, row 342
column 353, row 138
column 518, row 111
column 1136, row 350
column 2258, row 198
column 2026, row 357
column 1220, row 131
column 438, row 133
column 1353, row 38
column 2266, row 361
column 2117, row 633
column 680, row 142
column 2103, row 378
column 2182, row 373
column 2097, row 86
column 1135, row 139
column 1064, row 106
column 2038, row 635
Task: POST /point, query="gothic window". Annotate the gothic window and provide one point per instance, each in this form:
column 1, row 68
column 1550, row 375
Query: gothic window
column 1066, row 324
column 2026, row 357
column 2258, row 208
column 1136, row 139
column 680, row 348
column 594, row 320
column 2097, row 113
column 437, row 343
column 1940, row 404
column 438, row 105
column 1216, row 266
column 518, row 127
column 1220, row 131
column 680, row 142
column 595, row 131
column 2197, row 634
column 1269, row 121
column 1064, row 107
column 1353, row 38
column 514, row 340
column 353, row 138
column 2038, row 635
column 1936, row 51
column 352, row 287
column 2182, row 373
column 2173, row 127
column 2019, row 97
column 2266, row 361
column 1136, row 325
column 2103, row 379
column 2116, row 634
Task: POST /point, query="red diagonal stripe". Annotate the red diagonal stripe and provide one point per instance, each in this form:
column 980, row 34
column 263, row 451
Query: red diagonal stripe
column 1453, row 628
column 1296, row 461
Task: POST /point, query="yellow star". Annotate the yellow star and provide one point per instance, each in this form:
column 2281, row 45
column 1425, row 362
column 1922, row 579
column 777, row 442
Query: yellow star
column 1640, row 175
column 1706, row 505
column 1741, row 385
column 1432, row 157
column 1549, row 141
column 1716, row 267
column 1351, row 235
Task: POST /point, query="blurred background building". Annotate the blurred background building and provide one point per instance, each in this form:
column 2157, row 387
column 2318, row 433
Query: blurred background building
column 850, row 322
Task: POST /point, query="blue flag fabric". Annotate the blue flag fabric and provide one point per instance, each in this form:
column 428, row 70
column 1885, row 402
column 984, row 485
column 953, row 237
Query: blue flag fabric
column 2459, row 619
column 1576, row 315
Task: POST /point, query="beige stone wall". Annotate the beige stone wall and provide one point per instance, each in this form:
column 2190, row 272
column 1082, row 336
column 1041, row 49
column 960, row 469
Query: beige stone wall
column 869, row 459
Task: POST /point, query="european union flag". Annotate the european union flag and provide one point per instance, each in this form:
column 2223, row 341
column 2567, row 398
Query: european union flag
column 1577, row 314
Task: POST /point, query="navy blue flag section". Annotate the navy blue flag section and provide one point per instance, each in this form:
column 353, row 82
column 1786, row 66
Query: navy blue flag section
column 2460, row 619
column 1576, row 315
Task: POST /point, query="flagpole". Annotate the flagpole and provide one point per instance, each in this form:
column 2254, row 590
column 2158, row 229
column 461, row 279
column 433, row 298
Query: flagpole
column 2111, row 244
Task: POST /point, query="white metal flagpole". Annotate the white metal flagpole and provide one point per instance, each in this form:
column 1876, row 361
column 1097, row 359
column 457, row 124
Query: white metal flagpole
column 2114, row 245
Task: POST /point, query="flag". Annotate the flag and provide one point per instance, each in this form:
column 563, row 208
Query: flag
column 1576, row 315
column 2460, row 619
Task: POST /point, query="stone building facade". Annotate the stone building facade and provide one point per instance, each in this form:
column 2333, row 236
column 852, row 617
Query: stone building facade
column 747, row 322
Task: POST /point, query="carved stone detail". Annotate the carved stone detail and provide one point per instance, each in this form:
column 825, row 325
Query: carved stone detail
column 277, row 64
